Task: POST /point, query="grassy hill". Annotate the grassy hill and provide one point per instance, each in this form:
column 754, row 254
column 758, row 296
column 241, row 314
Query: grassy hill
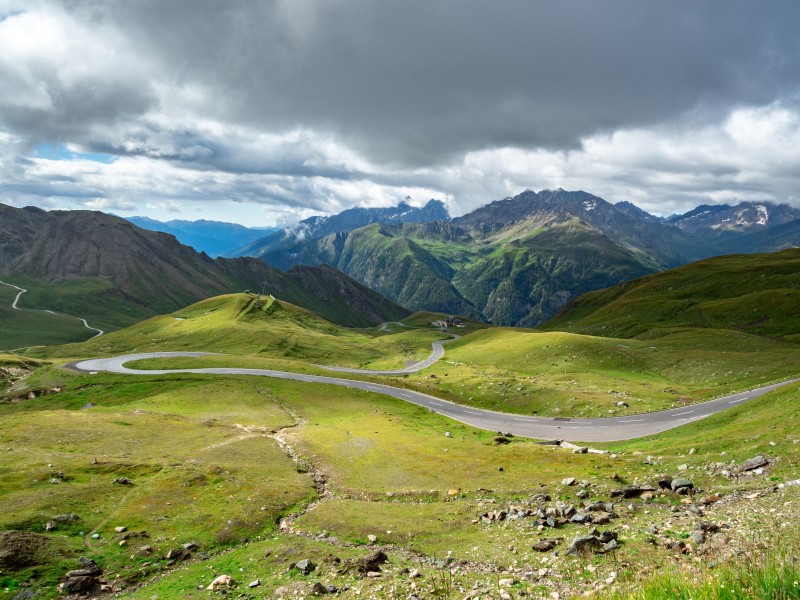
column 112, row 273
column 757, row 294
column 259, row 330
column 263, row 473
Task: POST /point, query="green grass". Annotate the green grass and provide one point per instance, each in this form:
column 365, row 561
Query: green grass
column 204, row 468
column 233, row 324
column 34, row 327
column 757, row 293
column 190, row 447
column 565, row 374
column 96, row 300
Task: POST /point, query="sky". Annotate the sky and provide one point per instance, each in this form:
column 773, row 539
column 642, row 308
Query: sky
column 266, row 112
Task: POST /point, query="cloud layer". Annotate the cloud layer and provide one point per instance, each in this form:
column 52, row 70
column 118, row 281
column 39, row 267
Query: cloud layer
column 268, row 111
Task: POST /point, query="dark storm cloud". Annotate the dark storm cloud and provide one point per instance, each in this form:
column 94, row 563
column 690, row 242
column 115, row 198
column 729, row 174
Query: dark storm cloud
column 319, row 105
column 420, row 82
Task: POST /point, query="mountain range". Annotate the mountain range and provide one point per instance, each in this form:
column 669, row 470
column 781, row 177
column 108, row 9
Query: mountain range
column 518, row 261
column 113, row 273
column 215, row 238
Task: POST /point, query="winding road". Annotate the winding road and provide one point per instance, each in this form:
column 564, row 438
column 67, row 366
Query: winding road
column 436, row 354
column 81, row 319
column 604, row 429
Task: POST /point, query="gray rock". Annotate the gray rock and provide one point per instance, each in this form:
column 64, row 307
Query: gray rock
column 631, row 492
column 698, row 537
column 67, row 518
column 122, row 481
column 305, row 566
column 582, row 543
column 25, row 595
column 754, row 463
column 582, row 494
column 601, row 519
column 371, row 563
column 610, row 546
column 680, row 483
column 318, row 589
column 78, row 584
column 607, row 536
column 569, row 481
column 580, row 519
column 545, row 545
column 580, row 450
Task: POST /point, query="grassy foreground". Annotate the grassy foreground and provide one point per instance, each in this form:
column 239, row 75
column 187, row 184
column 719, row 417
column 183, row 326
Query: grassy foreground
column 260, row 474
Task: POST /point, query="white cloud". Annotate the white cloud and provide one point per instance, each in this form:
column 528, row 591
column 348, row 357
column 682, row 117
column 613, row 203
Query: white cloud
column 291, row 108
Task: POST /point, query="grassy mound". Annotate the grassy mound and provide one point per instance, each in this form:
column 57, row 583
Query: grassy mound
column 757, row 294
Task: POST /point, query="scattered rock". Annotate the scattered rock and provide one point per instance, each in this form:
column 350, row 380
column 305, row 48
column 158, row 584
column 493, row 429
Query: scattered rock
column 681, row 485
column 697, row 537
column 580, row 450
column 122, row 481
column 754, row 463
column 683, row 467
column 66, row 518
column 254, row 584
column 631, row 492
column 120, row 529
column 545, row 545
column 610, row 546
column 178, row 555
column 569, row 481
column 83, row 579
column 305, row 566
column 448, row 434
column 371, row 563
column 318, row 589
column 372, row 538
column 582, row 543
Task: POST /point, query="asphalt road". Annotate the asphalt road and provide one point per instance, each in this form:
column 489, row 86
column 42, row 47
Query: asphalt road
column 585, row 430
column 22, row 291
column 436, row 354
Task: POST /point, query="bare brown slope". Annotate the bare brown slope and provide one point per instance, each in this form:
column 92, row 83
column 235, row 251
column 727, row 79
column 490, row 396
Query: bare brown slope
column 119, row 273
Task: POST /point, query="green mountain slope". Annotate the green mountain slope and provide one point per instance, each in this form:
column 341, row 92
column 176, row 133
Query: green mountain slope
column 757, row 293
column 112, row 273
column 513, row 262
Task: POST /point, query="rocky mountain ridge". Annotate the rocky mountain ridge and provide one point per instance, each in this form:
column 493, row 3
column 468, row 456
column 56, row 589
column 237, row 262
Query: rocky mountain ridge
column 518, row 260
column 119, row 273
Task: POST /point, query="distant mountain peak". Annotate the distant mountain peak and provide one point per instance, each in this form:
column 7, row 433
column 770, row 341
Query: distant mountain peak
column 317, row 227
column 742, row 217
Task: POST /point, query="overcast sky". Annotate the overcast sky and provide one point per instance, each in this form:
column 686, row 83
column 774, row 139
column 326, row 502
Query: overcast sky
column 265, row 112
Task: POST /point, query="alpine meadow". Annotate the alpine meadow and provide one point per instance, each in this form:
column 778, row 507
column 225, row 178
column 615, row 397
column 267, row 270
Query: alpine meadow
column 399, row 300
